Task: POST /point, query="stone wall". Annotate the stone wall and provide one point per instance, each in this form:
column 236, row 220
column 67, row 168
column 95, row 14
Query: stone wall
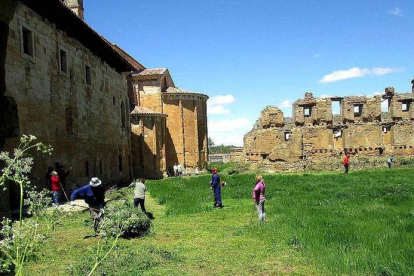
column 148, row 145
column 316, row 134
column 86, row 124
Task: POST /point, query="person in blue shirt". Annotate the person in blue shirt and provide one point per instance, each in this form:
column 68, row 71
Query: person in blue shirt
column 216, row 187
column 94, row 195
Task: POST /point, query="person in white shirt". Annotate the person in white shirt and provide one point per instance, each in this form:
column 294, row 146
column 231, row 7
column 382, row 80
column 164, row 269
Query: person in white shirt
column 175, row 170
column 180, row 170
column 139, row 193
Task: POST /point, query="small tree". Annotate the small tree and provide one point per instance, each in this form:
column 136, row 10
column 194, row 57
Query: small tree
column 210, row 143
column 21, row 239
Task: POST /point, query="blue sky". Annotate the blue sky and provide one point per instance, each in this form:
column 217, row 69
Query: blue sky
column 247, row 54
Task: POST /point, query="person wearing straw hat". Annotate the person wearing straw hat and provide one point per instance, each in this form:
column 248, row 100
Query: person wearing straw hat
column 55, row 187
column 94, row 195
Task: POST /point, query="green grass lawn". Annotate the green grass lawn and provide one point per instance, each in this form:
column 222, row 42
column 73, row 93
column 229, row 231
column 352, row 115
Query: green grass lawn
column 317, row 224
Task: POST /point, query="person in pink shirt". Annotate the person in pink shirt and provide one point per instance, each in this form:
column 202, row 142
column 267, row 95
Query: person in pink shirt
column 259, row 197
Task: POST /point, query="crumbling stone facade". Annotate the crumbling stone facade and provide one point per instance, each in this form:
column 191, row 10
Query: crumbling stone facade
column 315, row 133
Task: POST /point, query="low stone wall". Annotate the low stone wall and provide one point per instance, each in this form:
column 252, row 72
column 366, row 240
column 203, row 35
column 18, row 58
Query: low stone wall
column 332, row 164
column 219, row 158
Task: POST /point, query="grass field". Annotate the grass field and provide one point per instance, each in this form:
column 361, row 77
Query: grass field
column 317, row 224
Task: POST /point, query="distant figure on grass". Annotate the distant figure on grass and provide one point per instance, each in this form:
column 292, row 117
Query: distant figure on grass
column 139, row 194
column 390, row 161
column 180, row 170
column 346, row 162
column 175, row 170
column 196, row 172
column 55, row 187
column 94, row 195
column 216, row 187
column 259, row 197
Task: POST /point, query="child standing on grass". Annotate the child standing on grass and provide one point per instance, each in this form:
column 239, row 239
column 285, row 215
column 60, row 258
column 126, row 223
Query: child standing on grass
column 259, row 197
column 346, row 162
column 216, row 187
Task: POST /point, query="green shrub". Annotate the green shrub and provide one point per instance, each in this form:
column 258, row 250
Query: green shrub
column 124, row 217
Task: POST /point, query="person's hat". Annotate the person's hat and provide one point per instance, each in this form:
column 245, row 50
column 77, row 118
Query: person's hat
column 95, row 182
column 54, row 173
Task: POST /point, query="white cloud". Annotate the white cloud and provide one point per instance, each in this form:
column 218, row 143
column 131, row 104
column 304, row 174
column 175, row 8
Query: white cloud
column 284, row 104
column 229, row 125
column 217, row 109
column 326, row 96
column 356, row 72
column 395, row 11
column 316, row 55
column 376, row 93
column 217, row 100
column 215, row 105
column 229, row 132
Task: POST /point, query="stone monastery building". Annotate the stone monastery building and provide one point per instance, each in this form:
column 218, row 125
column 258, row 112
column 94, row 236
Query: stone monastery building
column 315, row 134
column 104, row 113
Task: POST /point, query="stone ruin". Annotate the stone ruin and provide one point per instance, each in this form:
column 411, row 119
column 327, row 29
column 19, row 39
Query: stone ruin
column 316, row 135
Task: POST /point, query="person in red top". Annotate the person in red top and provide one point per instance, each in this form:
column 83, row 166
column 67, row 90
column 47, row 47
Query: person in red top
column 346, row 162
column 55, row 187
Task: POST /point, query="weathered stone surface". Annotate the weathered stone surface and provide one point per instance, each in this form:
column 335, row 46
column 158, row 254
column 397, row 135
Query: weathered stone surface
column 271, row 117
column 318, row 136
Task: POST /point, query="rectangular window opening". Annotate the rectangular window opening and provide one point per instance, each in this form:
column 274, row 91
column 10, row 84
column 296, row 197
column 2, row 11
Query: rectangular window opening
column 337, row 133
column 385, row 105
column 307, row 111
column 287, row 136
column 88, row 75
column 63, row 62
column 336, row 107
column 27, row 40
column 386, row 129
column 405, row 106
column 357, row 110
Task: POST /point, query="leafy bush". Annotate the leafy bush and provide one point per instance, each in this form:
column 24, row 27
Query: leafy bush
column 125, row 220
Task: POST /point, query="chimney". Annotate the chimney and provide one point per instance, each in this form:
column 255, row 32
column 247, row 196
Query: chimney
column 76, row 6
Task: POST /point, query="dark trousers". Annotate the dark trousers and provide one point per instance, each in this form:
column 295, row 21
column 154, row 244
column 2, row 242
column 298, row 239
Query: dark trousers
column 141, row 202
column 389, row 165
column 346, row 168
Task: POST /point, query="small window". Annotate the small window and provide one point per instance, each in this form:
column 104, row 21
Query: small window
column 88, row 75
column 287, row 136
column 87, row 168
column 113, row 100
column 306, row 111
column 386, row 129
column 405, row 106
column 120, row 162
column 337, row 133
column 63, row 61
column 357, row 110
column 27, row 41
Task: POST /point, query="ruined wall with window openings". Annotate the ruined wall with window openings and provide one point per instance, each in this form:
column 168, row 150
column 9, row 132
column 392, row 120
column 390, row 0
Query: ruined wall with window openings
column 327, row 128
